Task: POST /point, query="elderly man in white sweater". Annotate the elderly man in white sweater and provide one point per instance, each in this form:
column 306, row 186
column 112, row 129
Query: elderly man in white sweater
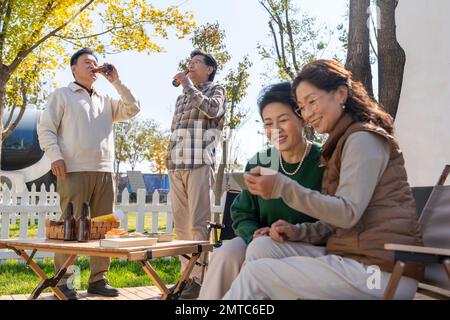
column 76, row 133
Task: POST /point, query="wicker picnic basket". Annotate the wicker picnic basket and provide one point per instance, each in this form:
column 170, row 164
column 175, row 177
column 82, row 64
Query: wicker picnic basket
column 55, row 229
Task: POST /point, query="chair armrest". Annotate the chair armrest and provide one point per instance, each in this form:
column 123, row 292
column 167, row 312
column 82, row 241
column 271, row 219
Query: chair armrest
column 417, row 249
column 433, row 291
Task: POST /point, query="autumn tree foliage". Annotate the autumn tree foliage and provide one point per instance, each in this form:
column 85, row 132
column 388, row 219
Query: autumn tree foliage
column 37, row 37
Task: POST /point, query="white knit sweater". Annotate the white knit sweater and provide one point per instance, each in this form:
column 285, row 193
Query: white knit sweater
column 78, row 128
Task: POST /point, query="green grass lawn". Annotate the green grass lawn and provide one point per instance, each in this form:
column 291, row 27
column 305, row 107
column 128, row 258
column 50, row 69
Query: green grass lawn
column 17, row 278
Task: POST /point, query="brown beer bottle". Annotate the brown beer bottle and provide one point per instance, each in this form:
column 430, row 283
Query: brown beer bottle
column 84, row 224
column 106, row 68
column 69, row 224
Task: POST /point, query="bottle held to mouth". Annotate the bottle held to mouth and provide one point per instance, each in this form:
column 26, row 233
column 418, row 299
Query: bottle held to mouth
column 106, row 68
column 177, row 83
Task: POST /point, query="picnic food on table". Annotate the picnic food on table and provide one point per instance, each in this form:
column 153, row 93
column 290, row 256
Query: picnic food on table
column 105, row 218
column 117, row 232
column 136, row 234
column 121, row 233
column 162, row 236
column 127, row 242
column 101, row 230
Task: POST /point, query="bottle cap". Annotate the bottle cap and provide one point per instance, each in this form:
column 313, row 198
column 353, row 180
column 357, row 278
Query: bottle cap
column 176, row 83
column 70, row 209
column 86, row 209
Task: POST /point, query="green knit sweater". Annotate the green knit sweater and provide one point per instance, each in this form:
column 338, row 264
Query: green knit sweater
column 250, row 212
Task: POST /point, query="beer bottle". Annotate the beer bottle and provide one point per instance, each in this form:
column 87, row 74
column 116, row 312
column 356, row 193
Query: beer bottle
column 177, row 83
column 84, row 224
column 69, row 224
column 106, row 68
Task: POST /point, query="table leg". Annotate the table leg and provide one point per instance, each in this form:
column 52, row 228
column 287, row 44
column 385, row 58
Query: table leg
column 156, row 279
column 179, row 287
column 205, row 266
column 45, row 281
column 174, row 292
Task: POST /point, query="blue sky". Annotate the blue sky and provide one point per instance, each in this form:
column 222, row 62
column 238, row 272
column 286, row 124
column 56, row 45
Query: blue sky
column 245, row 25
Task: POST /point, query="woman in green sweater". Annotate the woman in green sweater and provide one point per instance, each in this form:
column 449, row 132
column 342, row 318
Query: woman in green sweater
column 292, row 156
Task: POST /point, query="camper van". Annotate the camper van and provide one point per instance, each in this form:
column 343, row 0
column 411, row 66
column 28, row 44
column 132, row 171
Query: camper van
column 23, row 161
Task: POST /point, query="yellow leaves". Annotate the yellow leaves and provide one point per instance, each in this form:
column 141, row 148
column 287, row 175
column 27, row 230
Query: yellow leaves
column 123, row 25
column 136, row 140
column 105, row 25
column 31, row 20
column 100, row 48
column 28, row 77
column 157, row 151
column 135, row 24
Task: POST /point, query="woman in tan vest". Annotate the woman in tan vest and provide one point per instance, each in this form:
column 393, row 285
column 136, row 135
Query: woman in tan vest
column 365, row 202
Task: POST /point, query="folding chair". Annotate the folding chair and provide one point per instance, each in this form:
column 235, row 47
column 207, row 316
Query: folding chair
column 435, row 223
column 421, row 195
column 226, row 230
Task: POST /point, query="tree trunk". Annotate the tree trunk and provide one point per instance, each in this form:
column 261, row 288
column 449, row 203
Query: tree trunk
column 3, row 81
column 391, row 58
column 2, row 110
column 358, row 55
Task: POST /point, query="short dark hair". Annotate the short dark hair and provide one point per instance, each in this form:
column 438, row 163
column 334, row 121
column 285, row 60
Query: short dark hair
column 209, row 61
column 79, row 53
column 278, row 92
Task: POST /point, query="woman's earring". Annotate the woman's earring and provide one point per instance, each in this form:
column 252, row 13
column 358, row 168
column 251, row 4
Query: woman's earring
column 343, row 107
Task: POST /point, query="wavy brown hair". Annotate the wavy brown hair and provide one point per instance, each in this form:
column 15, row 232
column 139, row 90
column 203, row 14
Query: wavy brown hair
column 329, row 75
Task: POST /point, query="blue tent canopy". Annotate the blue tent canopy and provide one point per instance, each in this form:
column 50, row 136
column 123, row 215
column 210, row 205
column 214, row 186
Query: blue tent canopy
column 154, row 182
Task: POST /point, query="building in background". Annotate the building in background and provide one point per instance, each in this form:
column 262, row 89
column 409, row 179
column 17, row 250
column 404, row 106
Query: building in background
column 423, row 118
column 23, row 162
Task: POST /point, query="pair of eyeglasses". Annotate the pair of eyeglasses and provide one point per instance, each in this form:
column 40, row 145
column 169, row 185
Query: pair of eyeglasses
column 195, row 62
column 312, row 104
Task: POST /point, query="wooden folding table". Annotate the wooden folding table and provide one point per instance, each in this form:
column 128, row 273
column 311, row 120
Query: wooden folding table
column 189, row 249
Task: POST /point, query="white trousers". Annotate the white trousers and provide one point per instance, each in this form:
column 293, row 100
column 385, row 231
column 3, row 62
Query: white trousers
column 295, row 270
column 224, row 266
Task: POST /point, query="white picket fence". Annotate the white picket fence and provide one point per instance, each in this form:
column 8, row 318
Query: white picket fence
column 32, row 207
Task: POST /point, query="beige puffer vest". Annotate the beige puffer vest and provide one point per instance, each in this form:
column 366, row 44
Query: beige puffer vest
column 391, row 214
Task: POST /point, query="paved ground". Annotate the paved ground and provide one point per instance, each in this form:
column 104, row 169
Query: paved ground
column 137, row 293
